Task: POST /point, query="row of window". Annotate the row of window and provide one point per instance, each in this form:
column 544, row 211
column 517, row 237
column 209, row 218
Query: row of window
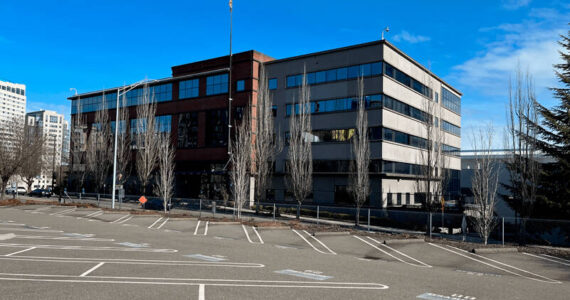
column 376, row 166
column 335, row 105
column 450, row 101
column 344, row 73
column 446, row 126
column 14, row 90
column 408, row 81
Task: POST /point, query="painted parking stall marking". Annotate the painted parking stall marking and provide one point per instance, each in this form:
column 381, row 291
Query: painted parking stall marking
column 94, row 248
column 92, row 269
column 400, row 253
column 206, row 257
column 249, row 239
column 160, row 226
column 432, row 296
column 198, row 227
column 152, row 225
column 21, row 251
column 550, row 258
column 329, row 251
column 120, row 219
column 372, row 243
column 493, row 264
column 308, row 275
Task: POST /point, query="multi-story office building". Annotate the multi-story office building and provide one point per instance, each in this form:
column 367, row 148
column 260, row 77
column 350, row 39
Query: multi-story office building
column 12, row 101
column 193, row 106
column 398, row 91
column 52, row 127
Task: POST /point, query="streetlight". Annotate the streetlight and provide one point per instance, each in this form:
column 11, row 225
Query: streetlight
column 125, row 90
column 387, row 29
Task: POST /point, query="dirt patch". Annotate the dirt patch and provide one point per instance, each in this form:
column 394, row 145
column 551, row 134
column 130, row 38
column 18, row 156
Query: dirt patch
column 80, row 205
column 18, row 202
column 10, row 202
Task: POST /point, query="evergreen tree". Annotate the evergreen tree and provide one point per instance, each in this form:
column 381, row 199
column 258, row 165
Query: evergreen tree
column 553, row 197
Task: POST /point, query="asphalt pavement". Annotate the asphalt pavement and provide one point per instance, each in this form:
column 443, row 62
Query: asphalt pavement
column 63, row 252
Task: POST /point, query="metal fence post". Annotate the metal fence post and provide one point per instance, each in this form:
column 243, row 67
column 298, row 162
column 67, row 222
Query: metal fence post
column 273, row 212
column 200, row 214
column 368, row 219
column 503, row 229
column 98, row 198
column 430, row 225
column 318, row 215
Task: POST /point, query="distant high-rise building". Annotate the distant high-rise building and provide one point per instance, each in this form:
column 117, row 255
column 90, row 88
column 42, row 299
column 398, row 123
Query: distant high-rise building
column 53, row 128
column 12, row 101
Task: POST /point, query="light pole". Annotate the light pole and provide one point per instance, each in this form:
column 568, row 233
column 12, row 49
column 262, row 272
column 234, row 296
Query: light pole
column 53, row 164
column 230, row 88
column 124, row 90
column 387, row 29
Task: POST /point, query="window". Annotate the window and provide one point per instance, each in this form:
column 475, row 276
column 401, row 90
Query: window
column 216, row 128
column 272, row 83
column 399, row 199
column 333, row 135
column 189, row 89
column 450, row 101
column 274, row 110
column 240, row 85
column 342, row 104
column 408, row 81
column 53, row 119
column 163, row 123
column 436, row 97
column 446, row 126
column 216, row 84
column 188, row 130
column 408, row 201
column 389, row 199
column 352, row 72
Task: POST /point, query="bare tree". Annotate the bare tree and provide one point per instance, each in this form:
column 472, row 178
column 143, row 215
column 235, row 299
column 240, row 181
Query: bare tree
column 241, row 159
column 360, row 181
column 522, row 162
column 78, row 146
column 433, row 164
column 123, row 144
column 164, row 187
column 267, row 145
column 300, row 155
column 18, row 146
column 484, row 182
column 99, row 147
column 146, row 138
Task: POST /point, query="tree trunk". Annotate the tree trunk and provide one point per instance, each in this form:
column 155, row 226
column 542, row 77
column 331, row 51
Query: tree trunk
column 298, row 211
column 357, row 216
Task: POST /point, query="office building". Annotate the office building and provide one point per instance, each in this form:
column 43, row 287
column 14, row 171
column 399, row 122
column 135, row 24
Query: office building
column 12, row 101
column 193, row 106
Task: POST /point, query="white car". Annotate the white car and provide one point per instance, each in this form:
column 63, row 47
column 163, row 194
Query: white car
column 20, row 190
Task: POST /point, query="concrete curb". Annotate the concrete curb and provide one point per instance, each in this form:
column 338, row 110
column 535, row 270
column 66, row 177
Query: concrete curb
column 223, row 223
column 273, row 227
column 495, row 250
column 331, row 233
column 403, row 241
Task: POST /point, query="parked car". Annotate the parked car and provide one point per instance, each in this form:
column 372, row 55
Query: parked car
column 155, row 204
column 12, row 190
column 40, row 193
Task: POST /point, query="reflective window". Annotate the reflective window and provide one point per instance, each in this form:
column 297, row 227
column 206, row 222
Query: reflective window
column 163, row 123
column 216, row 128
column 188, row 130
column 450, row 101
column 408, row 81
column 216, row 84
column 342, row 104
column 240, row 85
column 272, row 83
column 352, row 72
column 189, row 89
column 446, row 126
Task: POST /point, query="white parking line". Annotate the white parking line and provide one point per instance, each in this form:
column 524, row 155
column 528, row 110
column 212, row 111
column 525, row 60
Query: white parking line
column 246, row 234
column 307, row 241
column 155, row 222
column 32, row 230
column 92, row 269
column 125, row 220
column 63, row 212
column 558, row 258
column 386, row 252
column 547, row 259
column 206, row 228
column 402, row 254
column 121, row 218
column 201, row 292
column 197, row 226
column 63, row 238
column 163, row 223
column 548, row 280
column 258, row 235
column 90, row 248
column 92, row 215
column 314, row 238
column 21, row 251
column 39, row 210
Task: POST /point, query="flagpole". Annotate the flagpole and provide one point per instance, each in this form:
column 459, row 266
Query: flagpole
column 230, row 87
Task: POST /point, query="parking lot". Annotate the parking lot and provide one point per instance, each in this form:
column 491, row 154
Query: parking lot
column 65, row 252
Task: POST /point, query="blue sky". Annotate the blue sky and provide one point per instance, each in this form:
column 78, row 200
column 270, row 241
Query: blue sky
column 52, row 46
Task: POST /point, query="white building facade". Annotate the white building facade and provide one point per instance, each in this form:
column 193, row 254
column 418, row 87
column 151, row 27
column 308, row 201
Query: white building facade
column 53, row 128
column 12, row 101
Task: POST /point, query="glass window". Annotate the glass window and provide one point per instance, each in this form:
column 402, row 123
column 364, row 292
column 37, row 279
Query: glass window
column 401, row 138
column 163, row 123
column 342, row 73
column 216, row 84
column 446, row 126
column 331, row 75
column 450, row 101
column 53, row 119
column 272, row 83
column 240, row 85
column 216, row 128
column 188, row 130
column 189, row 88
column 353, row 72
column 320, row 77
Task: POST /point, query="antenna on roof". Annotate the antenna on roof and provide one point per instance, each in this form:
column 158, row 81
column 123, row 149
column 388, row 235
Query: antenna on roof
column 387, row 29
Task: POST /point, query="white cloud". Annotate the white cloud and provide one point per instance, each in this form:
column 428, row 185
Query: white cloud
column 515, row 4
column 410, row 38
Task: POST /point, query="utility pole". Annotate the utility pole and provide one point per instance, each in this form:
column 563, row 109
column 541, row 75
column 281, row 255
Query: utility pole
column 53, row 164
column 230, row 88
